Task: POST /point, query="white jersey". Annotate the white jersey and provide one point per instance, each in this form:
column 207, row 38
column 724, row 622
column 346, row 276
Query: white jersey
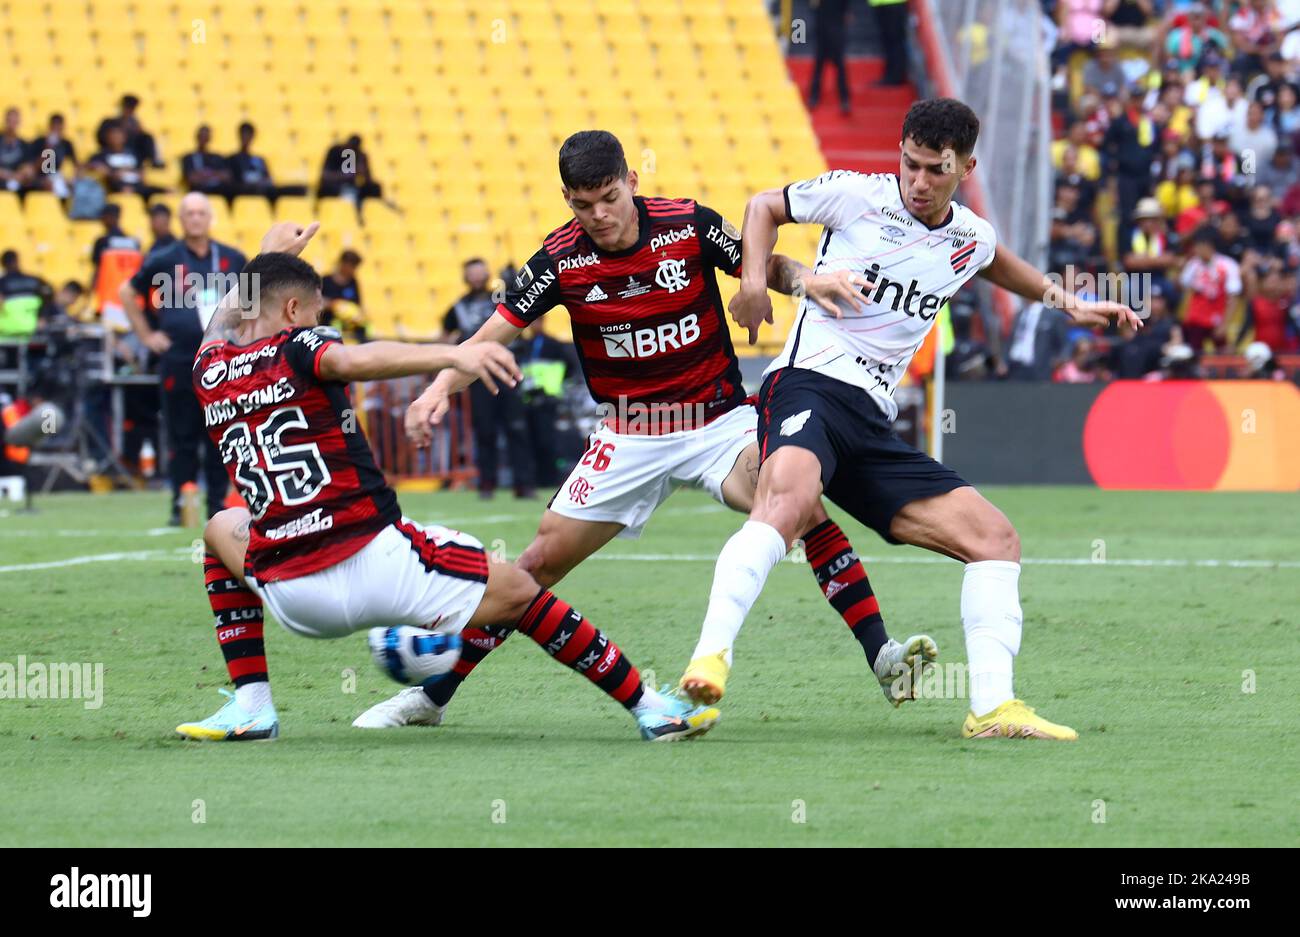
column 912, row 269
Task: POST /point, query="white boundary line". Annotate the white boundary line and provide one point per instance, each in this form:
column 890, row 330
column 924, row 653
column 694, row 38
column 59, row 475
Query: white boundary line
column 185, row 552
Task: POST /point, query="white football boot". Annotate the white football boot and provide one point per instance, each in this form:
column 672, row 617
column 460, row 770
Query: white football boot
column 411, row 707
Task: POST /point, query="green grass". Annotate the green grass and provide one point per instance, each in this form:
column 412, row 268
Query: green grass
column 1146, row 661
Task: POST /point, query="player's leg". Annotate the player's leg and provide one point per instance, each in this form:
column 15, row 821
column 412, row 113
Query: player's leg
column 561, row 544
column 515, row 599
column 239, row 618
column 845, row 585
column 787, row 498
column 966, row 526
column 466, row 589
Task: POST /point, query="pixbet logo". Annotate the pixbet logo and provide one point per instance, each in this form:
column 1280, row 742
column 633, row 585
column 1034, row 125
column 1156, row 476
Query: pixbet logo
column 672, row 237
column 643, row 343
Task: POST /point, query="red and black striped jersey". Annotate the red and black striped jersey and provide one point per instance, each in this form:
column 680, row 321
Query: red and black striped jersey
column 648, row 322
column 293, row 447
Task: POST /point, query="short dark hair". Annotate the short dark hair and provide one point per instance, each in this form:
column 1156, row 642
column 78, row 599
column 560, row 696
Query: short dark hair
column 160, row 208
column 56, row 116
column 72, row 286
column 350, row 257
column 130, row 101
column 111, row 209
column 471, row 262
column 247, row 127
column 9, row 258
column 1204, row 235
column 278, row 271
column 940, row 123
column 590, row 159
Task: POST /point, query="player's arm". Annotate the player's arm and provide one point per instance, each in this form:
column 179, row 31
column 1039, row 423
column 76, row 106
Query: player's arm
column 1024, row 279
column 823, row 200
column 485, row 361
column 427, row 410
column 285, row 237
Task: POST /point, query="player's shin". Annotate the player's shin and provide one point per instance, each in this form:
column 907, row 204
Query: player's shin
column 844, row 582
column 991, row 619
column 239, row 622
column 566, row 635
column 738, row 577
column 476, row 644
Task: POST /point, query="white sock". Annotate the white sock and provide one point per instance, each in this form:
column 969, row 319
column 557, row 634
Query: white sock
column 991, row 618
column 738, row 578
column 651, row 701
column 253, row 696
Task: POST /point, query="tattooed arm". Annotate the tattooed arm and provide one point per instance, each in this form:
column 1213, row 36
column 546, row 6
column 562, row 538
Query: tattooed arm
column 239, row 304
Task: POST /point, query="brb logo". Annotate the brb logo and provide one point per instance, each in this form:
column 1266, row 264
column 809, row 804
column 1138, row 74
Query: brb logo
column 622, row 342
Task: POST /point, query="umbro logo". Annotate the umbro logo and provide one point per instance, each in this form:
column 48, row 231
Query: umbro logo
column 596, row 294
column 792, row 424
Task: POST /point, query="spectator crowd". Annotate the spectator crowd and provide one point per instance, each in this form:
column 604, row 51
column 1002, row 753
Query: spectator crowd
column 1177, row 186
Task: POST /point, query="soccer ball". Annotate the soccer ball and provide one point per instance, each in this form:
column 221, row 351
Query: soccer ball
column 413, row 655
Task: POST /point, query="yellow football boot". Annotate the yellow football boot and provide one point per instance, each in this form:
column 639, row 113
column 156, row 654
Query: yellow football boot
column 705, row 679
column 1014, row 720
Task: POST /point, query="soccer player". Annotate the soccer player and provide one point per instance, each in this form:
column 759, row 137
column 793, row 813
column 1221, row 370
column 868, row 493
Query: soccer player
column 323, row 542
column 827, row 401
column 638, row 278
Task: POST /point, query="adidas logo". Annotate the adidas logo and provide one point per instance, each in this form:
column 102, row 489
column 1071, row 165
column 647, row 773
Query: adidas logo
column 596, row 294
column 833, row 587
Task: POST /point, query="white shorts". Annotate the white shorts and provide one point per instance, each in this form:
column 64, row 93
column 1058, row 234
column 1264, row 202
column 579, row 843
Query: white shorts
column 623, row 478
column 430, row 577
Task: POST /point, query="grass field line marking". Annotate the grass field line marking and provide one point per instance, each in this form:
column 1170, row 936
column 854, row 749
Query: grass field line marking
column 133, row 555
column 938, row 560
column 185, row 552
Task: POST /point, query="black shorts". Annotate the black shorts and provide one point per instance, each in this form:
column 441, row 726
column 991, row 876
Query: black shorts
column 866, row 469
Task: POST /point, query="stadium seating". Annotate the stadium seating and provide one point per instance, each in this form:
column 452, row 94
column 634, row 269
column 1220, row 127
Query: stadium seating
column 461, row 107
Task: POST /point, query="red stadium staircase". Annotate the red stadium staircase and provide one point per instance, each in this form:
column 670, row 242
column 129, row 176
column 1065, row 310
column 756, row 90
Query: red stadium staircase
column 866, row 140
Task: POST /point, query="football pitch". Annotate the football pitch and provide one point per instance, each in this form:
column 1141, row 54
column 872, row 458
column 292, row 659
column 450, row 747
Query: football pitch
column 1163, row 626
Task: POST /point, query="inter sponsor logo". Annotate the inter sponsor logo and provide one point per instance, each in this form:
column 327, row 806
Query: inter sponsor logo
column 905, row 297
column 78, row 890
column 578, row 261
column 672, row 237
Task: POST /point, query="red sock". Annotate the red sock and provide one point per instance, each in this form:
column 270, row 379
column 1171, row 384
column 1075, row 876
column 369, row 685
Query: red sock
column 578, row 644
column 239, row 623
column 845, row 584
column 476, row 644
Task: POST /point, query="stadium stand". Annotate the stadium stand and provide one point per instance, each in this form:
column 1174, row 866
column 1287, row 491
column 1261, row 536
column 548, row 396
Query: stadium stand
column 462, row 107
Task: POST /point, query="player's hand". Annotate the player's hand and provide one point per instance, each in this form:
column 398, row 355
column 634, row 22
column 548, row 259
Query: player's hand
column 157, row 342
column 1095, row 312
column 750, row 308
column 829, row 290
column 425, row 412
column 489, row 362
column 288, row 237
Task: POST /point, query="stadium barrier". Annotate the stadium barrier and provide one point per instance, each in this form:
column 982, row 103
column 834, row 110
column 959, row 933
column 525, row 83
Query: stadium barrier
column 449, row 459
column 1162, row 435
